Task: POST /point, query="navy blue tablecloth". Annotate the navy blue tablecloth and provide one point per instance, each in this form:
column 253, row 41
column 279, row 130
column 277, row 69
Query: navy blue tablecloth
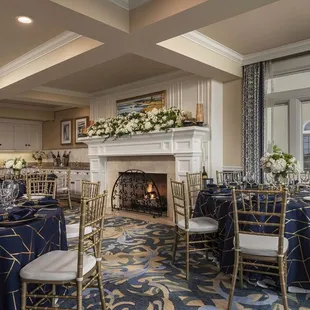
column 21, row 244
column 297, row 231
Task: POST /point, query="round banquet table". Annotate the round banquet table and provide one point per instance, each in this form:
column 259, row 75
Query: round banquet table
column 21, row 244
column 297, row 231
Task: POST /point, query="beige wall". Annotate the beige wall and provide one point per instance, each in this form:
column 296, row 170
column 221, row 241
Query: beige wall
column 232, row 123
column 51, row 129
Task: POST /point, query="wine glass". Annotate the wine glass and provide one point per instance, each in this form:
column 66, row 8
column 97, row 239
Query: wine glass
column 251, row 178
column 6, row 193
column 304, row 177
column 15, row 192
column 269, row 178
column 237, row 179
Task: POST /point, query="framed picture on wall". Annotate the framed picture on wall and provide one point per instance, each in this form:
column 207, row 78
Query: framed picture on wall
column 142, row 103
column 66, row 131
column 80, row 123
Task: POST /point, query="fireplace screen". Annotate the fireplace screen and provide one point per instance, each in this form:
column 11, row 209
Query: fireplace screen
column 135, row 190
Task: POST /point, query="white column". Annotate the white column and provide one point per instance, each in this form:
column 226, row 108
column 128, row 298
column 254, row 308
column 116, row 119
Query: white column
column 186, row 163
column 296, row 130
column 216, row 128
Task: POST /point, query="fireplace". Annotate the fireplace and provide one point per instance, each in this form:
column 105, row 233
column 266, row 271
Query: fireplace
column 135, row 190
column 175, row 152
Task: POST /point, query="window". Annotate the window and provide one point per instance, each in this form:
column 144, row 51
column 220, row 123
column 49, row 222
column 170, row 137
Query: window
column 306, row 145
column 277, row 127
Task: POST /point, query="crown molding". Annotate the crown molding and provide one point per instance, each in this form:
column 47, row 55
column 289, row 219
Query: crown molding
column 278, row 52
column 206, row 42
column 122, row 3
column 13, row 105
column 38, row 52
column 64, row 92
column 179, row 74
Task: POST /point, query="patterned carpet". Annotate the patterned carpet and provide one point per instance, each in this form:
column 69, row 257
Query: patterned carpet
column 138, row 274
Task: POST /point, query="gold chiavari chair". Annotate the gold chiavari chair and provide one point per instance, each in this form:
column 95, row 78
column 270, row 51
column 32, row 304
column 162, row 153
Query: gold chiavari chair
column 194, row 185
column 42, row 176
column 63, row 187
column 37, row 188
column 78, row 268
column 259, row 224
column 89, row 190
column 228, row 176
column 186, row 226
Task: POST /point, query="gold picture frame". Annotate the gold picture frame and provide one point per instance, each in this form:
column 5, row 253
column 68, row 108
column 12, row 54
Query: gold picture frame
column 141, row 103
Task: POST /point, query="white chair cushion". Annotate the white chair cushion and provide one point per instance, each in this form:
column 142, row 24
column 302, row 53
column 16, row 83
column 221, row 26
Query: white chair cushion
column 62, row 189
column 34, row 197
column 56, row 266
column 200, row 224
column 260, row 245
column 73, row 230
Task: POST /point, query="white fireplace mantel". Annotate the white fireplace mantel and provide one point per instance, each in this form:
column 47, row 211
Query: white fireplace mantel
column 189, row 146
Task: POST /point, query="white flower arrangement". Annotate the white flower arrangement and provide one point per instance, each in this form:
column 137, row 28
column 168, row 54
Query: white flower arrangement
column 16, row 163
column 279, row 163
column 133, row 123
column 39, row 155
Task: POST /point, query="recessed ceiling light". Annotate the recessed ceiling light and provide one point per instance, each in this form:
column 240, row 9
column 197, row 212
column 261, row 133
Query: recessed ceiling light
column 24, row 19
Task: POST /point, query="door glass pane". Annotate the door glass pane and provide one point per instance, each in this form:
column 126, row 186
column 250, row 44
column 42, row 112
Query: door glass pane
column 277, row 127
column 306, row 134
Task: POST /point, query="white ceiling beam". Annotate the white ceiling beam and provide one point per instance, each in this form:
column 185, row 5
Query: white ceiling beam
column 157, row 21
column 28, row 114
column 52, row 98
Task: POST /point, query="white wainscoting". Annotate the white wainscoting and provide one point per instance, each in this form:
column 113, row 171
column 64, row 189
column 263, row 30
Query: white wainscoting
column 182, row 92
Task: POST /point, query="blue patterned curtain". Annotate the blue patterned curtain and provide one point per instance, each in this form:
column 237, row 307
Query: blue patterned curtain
column 253, row 117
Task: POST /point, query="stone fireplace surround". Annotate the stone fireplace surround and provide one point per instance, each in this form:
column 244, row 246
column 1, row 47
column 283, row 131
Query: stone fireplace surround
column 174, row 153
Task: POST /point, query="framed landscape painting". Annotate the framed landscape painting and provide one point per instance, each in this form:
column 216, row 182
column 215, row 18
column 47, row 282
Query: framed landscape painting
column 142, row 103
column 80, row 123
column 66, row 132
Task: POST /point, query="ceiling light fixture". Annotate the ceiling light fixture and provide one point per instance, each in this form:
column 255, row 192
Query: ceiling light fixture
column 24, row 19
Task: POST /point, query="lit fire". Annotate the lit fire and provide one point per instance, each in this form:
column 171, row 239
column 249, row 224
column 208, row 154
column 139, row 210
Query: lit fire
column 150, row 192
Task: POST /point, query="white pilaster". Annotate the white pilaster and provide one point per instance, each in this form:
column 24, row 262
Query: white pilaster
column 296, row 130
column 216, row 128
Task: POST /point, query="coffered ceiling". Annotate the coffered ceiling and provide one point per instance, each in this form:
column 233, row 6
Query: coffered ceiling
column 126, row 69
column 18, row 39
column 73, row 49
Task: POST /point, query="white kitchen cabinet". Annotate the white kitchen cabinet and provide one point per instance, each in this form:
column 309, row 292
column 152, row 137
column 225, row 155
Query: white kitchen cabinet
column 27, row 137
column 6, row 136
column 77, row 176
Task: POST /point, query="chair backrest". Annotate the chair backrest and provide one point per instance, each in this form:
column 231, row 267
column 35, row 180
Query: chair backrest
column 36, row 176
column 63, row 180
column 228, row 176
column 92, row 215
column 180, row 208
column 260, row 212
column 194, row 185
column 90, row 189
column 45, row 188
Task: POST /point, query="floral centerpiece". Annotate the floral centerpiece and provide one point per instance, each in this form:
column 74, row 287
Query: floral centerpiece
column 133, row 123
column 16, row 164
column 39, row 155
column 279, row 163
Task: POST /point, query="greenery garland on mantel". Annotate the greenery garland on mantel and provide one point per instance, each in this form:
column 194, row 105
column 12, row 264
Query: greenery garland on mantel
column 155, row 120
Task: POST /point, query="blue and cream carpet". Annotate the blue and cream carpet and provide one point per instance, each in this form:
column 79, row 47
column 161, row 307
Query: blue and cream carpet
column 138, row 274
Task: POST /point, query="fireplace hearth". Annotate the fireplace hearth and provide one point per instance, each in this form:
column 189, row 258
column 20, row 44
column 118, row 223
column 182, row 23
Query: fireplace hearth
column 135, row 190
